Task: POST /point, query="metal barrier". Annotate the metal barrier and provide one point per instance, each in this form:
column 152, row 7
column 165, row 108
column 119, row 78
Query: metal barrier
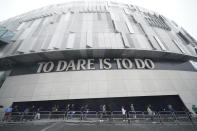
column 131, row 117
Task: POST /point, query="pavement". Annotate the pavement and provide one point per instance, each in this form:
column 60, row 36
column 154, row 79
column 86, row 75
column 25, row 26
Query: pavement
column 76, row 125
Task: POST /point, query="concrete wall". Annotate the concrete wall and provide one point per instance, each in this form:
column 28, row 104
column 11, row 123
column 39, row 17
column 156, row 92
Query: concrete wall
column 98, row 84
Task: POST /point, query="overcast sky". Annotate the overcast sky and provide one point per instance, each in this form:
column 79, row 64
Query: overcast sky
column 183, row 12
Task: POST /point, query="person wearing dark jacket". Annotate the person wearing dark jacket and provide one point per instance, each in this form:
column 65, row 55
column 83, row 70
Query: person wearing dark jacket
column 72, row 111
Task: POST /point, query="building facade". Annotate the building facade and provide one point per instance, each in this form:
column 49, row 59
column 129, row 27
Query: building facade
column 88, row 50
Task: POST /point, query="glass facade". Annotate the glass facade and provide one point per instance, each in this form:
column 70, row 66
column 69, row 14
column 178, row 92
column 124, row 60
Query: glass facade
column 5, row 35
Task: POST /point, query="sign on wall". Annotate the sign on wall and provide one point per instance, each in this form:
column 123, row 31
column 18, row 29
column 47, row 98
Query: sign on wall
column 101, row 64
column 95, row 64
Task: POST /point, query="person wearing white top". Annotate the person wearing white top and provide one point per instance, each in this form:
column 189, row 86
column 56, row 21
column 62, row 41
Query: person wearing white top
column 123, row 113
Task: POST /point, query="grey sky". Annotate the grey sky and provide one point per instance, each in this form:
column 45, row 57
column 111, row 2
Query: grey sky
column 183, row 12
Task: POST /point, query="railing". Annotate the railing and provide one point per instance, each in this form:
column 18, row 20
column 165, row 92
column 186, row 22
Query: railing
column 130, row 117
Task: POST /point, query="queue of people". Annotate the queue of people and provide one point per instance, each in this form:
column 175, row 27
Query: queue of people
column 33, row 113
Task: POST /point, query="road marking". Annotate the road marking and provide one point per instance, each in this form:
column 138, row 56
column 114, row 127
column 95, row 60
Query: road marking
column 50, row 126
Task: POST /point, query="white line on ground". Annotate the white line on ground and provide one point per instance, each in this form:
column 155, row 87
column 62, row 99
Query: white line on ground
column 50, row 126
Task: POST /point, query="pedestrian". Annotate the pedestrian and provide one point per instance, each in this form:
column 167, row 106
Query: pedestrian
column 123, row 113
column 32, row 112
column 8, row 112
column 150, row 112
column 67, row 111
column 101, row 112
column 104, row 110
column 170, row 109
column 15, row 113
column 194, row 108
column 133, row 111
column 72, row 111
column 37, row 116
column 86, row 110
column 26, row 114
column 82, row 112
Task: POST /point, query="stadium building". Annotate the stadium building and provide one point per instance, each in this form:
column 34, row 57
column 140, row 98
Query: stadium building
column 96, row 53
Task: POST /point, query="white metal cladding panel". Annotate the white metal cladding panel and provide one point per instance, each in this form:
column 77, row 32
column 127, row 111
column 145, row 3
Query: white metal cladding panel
column 149, row 32
column 77, row 40
column 126, row 40
column 56, row 37
column 76, row 22
column 118, row 42
column 59, row 33
column 83, row 26
column 92, row 22
column 42, row 35
column 29, row 40
column 64, row 41
column 95, row 40
column 107, row 39
column 101, row 40
column 38, row 36
column 160, row 43
column 101, row 26
column 89, row 26
column 71, row 40
column 163, row 35
column 95, row 18
column 129, row 25
column 135, row 41
column 83, row 40
column 128, row 11
column 51, row 27
column 178, row 46
column 116, row 14
column 112, row 40
column 104, row 40
column 121, row 26
column 183, row 44
column 137, row 29
column 191, row 49
column 143, row 42
column 48, row 37
column 26, row 32
column 89, row 40
column 17, row 35
column 21, row 26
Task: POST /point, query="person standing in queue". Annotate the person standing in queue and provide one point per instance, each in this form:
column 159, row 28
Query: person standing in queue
column 37, row 116
column 8, row 112
column 86, row 110
column 32, row 112
column 72, row 111
column 82, row 112
column 67, row 111
column 101, row 112
column 15, row 113
column 133, row 111
column 150, row 112
column 123, row 113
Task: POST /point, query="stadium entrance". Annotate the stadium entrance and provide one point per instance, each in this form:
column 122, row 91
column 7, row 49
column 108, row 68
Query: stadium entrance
column 157, row 103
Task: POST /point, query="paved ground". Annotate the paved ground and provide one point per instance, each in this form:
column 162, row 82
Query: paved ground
column 92, row 126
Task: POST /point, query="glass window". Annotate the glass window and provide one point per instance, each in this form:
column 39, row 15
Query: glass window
column 2, row 31
column 8, row 34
